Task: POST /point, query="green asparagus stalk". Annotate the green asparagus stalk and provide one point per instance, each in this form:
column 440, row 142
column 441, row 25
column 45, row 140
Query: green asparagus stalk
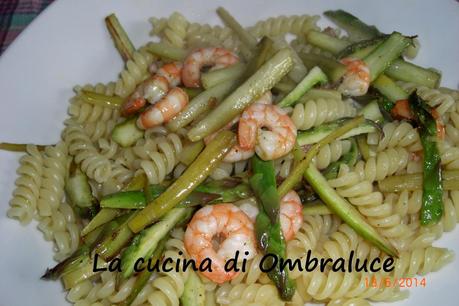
column 165, row 50
column 346, row 211
column 215, row 77
column 77, row 260
column 111, row 246
column 200, row 104
column 144, row 276
column 260, row 82
column 267, row 226
column 145, row 243
column 99, row 99
column 432, row 189
column 388, row 88
column 356, row 29
column 210, row 192
column 194, row 175
column 17, row 147
column 247, row 39
column 381, row 57
column 190, row 151
column 326, row 42
column 120, row 37
column 314, row 76
column 314, row 209
column 332, row 68
column 296, row 175
column 398, row 183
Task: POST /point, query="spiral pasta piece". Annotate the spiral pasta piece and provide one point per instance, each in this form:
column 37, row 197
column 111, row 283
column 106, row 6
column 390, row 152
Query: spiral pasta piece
column 204, row 35
column 252, row 273
column 157, row 25
column 135, row 71
column 158, row 157
column 370, row 203
column 442, row 102
column 449, row 157
column 384, row 164
column 398, row 133
column 100, row 129
column 315, row 112
column 175, row 30
column 169, row 286
column 23, row 205
column 55, row 163
column 275, row 26
column 307, row 237
column 331, row 153
column 95, row 165
column 339, row 285
column 62, row 228
column 421, row 261
column 91, row 114
column 248, row 294
column 345, row 240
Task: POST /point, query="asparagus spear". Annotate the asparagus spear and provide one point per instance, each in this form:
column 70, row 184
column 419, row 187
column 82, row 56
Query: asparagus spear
column 267, row 226
column 296, row 175
column 165, row 50
column 398, row 183
column 194, row 175
column 381, row 57
column 356, row 29
column 120, row 37
column 432, row 189
column 213, row 191
column 144, row 276
column 17, row 147
column 346, row 211
column 314, row 76
column 260, row 82
column 101, row 99
column 81, row 256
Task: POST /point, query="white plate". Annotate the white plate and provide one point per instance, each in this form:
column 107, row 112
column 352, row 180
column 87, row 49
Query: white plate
column 68, row 45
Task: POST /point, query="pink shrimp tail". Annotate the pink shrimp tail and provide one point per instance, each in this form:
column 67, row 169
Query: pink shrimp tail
column 164, row 110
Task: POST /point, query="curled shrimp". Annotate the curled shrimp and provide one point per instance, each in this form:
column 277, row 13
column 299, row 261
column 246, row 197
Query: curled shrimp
column 172, row 72
column 237, row 153
column 153, row 88
column 276, row 141
column 357, row 78
column 290, row 213
column 164, row 110
column 224, row 222
column 216, row 57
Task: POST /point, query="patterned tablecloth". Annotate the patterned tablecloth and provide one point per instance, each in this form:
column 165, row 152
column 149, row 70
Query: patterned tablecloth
column 15, row 15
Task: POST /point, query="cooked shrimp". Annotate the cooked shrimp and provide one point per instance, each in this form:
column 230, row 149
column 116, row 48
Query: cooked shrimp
column 237, row 153
column 269, row 144
column 164, row 110
column 151, row 90
column 216, row 57
column 290, row 213
column 172, row 72
column 154, row 88
column 357, row 78
column 226, row 223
